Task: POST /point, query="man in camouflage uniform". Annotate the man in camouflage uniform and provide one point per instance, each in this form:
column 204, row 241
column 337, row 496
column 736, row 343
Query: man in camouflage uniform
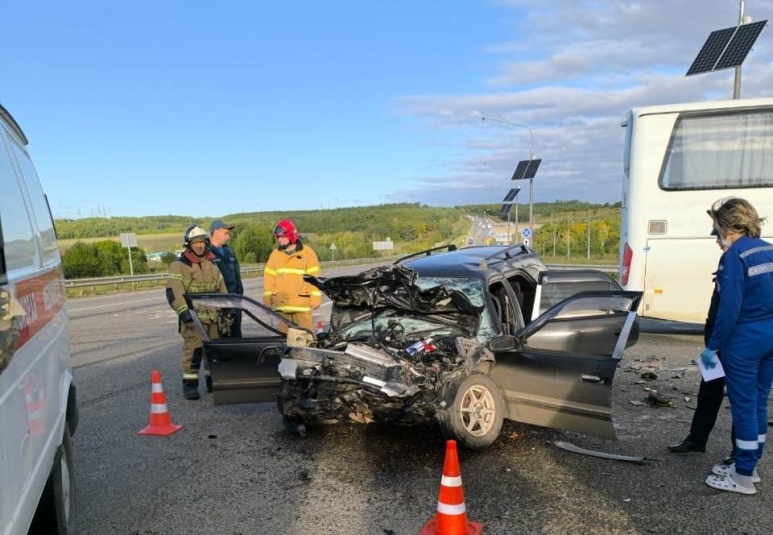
column 194, row 272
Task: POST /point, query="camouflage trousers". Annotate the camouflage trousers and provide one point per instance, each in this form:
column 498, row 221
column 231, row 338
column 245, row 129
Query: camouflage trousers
column 193, row 349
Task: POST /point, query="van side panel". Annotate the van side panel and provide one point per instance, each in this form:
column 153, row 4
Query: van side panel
column 35, row 383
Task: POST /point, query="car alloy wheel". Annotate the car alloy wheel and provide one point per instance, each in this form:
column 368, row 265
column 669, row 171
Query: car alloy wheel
column 478, row 410
column 474, row 412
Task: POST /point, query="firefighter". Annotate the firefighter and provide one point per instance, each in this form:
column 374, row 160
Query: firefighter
column 284, row 289
column 192, row 273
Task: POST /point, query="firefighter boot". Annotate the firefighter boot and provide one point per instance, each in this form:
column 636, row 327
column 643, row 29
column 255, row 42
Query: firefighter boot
column 208, row 379
column 191, row 389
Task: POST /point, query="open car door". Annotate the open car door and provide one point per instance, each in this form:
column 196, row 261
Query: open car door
column 243, row 370
column 558, row 370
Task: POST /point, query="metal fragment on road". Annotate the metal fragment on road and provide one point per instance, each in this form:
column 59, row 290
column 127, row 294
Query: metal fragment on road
column 611, row 456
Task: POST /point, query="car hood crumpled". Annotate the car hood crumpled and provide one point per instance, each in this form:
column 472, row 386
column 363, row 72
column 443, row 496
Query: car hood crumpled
column 393, row 288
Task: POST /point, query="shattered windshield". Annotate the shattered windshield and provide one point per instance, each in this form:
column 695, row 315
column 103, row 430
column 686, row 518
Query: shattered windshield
column 420, row 325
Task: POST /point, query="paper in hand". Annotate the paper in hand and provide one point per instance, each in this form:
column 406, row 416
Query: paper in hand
column 709, row 374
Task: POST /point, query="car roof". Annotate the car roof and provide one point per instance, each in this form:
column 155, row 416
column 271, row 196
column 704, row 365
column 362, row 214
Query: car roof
column 480, row 262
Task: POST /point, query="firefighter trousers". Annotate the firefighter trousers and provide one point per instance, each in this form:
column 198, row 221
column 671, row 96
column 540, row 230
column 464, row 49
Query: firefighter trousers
column 301, row 319
column 192, row 356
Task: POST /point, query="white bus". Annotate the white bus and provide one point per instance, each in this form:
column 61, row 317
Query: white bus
column 678, row 160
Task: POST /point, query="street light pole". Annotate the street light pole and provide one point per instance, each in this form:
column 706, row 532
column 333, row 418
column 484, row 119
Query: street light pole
column 531, row 157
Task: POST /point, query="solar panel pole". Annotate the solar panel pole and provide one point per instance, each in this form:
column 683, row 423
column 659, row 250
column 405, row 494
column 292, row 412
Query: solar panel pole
column 531, row 157
column 737, row 81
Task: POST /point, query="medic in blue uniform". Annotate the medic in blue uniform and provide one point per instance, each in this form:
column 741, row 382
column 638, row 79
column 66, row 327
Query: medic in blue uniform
column 743, row 332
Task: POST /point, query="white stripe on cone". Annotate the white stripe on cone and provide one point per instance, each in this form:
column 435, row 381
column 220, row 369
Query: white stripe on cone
column 156, row 388
column 451, row 481
column 448, row 509
column 158, row 408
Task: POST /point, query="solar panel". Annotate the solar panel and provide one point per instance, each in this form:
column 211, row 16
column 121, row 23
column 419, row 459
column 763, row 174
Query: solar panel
column 531, row 171
column 511, row 194
column 740, row 45
column 505, row 209
column 711, row 51
column 520, row 170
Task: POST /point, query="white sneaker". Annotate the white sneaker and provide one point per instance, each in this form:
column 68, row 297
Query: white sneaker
column 724, row 470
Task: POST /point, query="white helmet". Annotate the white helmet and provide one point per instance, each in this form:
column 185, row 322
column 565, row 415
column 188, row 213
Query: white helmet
column 195, row 233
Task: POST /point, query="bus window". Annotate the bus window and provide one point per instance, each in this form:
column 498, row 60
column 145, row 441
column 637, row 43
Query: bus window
column 720, row 151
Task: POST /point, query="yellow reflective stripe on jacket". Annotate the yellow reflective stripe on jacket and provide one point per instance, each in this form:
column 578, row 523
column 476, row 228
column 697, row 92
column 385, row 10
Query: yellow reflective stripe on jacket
column 290, row 271
column 312, row 269
column 187, row 376
column 316, row 293
column 288, row 308
column 176, row 276
column 268, row 292
column 181, row 309
column 269, row 271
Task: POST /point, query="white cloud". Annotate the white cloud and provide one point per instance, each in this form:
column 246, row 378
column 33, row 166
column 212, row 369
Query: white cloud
column 575, row 69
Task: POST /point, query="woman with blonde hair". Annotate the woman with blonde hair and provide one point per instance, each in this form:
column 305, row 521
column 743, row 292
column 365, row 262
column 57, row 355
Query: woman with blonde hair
column 743, row 332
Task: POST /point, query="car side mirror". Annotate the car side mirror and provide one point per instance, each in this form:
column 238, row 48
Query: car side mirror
column 502, row 343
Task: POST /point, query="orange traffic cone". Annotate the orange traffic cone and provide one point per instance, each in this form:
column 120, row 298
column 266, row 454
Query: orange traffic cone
column 451, row 517
column 160, row 421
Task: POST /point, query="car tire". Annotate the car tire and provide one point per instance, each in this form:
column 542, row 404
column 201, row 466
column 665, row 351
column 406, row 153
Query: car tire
column 293, row 424
column 474, row 412
column 56, row 512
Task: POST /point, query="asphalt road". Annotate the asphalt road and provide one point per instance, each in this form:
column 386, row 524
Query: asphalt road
column 234, row 470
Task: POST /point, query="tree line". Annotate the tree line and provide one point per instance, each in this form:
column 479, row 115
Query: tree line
column 336, row 234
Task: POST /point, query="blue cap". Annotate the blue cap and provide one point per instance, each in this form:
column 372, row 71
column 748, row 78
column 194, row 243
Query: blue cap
column 218, row 223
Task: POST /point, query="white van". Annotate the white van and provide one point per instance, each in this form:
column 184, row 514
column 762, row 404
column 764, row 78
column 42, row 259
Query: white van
column 38, row 413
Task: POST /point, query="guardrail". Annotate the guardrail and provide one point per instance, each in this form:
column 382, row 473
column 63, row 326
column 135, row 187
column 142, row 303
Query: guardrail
column 258, row 269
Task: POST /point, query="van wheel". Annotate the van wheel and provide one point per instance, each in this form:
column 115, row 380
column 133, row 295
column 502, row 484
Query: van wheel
column 56, row 510
column 474, row 412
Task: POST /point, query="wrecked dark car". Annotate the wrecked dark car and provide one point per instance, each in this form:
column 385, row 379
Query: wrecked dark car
column 464, row 337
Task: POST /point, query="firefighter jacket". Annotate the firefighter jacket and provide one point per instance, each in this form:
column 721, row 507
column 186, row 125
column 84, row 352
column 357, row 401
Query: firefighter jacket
column 284, row 289
column 193, row 275
column 225, row 259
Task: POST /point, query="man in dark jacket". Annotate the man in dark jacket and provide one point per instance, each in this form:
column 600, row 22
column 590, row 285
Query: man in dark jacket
column 710, row 394
column 225, row 259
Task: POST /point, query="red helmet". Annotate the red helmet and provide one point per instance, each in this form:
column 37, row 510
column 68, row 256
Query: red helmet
column 286, row 228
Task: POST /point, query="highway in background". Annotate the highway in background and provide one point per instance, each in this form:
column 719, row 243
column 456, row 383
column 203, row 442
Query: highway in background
column 234, row 469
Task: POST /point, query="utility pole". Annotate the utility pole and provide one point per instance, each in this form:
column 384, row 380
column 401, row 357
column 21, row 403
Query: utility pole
column 588, row 234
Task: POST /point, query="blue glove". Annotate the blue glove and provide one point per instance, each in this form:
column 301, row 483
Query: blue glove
column 709, row 358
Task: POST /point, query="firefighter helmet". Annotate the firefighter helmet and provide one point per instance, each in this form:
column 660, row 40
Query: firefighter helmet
column 286, row 228
column 195, row 233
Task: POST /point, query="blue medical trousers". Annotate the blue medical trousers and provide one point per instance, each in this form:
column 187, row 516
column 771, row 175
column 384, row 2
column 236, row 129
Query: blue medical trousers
column 748, row 361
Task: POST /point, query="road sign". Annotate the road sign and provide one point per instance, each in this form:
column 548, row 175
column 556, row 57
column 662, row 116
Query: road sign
column 333, row 247
column 526, row 233
column 128, row 239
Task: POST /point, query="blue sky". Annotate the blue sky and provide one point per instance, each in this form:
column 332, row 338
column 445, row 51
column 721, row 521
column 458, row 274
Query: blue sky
column 198, row 108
